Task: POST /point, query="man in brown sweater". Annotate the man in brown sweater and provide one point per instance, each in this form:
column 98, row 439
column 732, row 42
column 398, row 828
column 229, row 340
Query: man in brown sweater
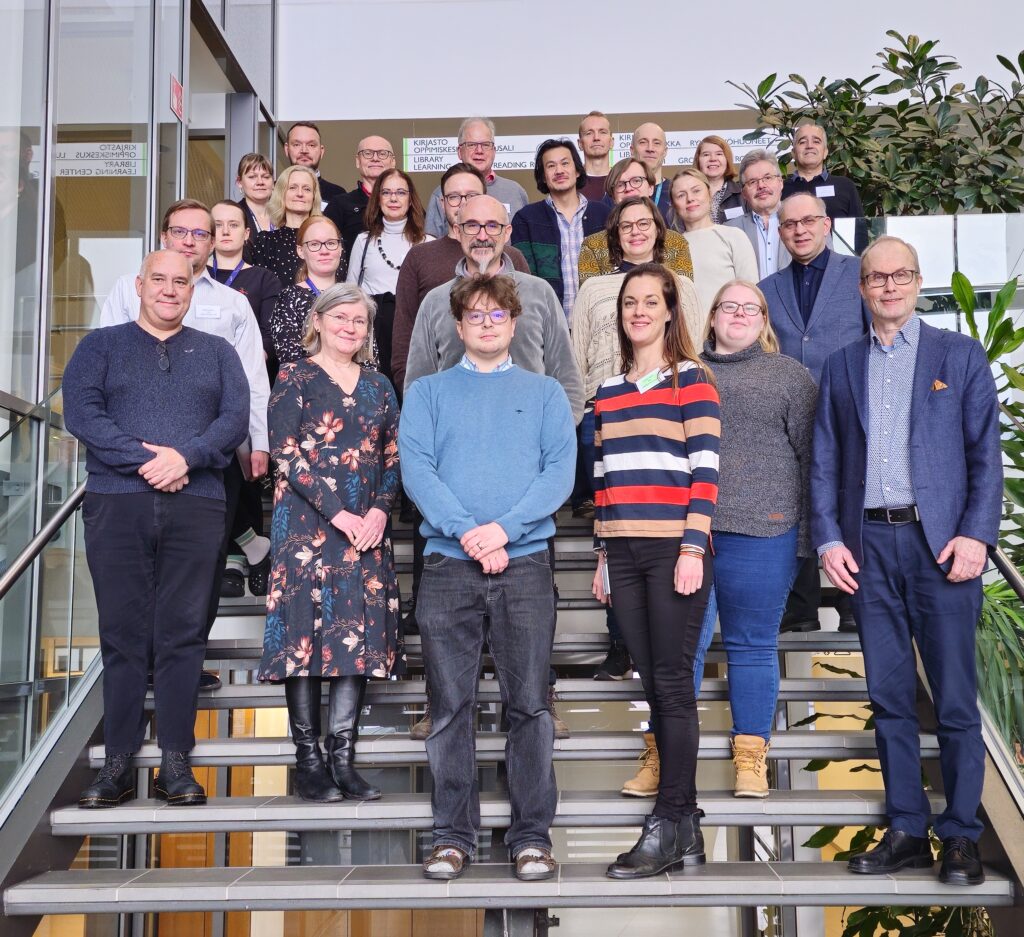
column 432, row 263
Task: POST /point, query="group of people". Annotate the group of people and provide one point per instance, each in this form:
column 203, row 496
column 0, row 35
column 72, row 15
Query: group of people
column 730, row 402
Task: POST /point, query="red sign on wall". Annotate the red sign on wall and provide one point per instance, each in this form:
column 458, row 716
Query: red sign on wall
column 177, row 99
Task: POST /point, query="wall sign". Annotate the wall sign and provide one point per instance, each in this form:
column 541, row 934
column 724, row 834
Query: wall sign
column 90, row 160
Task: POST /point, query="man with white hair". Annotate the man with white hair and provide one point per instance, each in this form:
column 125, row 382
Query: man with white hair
column 762, row 191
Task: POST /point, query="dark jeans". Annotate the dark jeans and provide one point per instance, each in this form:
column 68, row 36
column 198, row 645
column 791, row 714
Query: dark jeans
column 662, row 629
column 383, row 326
column 233, row 482
column 904, row 599
column 153, row 561
column 458, row 608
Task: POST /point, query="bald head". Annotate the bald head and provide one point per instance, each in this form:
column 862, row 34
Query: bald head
column 487, row 221
column 374, row 155
column 650, row 146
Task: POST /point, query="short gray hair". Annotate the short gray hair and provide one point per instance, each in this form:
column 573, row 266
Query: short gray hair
column 469, row 121
column 758, row 156
column 819, row 203
column 810, row 123
column 889, row 239
column 339, row 295
column 147, row 262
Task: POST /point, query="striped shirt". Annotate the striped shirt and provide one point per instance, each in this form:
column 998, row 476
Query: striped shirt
column 656, row 458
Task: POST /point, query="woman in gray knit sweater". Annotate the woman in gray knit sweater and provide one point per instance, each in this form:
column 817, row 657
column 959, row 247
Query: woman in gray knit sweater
column 761, row 523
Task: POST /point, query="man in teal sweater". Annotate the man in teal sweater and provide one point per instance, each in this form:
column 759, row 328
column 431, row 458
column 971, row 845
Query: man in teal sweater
column 488, row 454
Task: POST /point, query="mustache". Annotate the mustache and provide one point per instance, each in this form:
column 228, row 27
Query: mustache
column 481, row 244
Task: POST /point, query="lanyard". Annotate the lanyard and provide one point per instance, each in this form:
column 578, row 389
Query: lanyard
column 312, row 287
column 657, row 191
column 234, row 273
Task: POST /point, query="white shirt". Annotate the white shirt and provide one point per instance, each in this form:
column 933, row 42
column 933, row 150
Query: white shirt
column 378, row 276
column 216, row 310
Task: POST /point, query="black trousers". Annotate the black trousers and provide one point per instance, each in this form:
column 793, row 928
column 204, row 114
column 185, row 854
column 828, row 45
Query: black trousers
column 153, row 561
column 661, row 629
column 383, row 326
column 233, row 482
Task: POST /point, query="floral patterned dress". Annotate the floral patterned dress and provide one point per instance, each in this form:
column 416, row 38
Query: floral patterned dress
column 331, row 610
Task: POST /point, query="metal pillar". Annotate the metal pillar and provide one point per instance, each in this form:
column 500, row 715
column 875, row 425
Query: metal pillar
column 241, row 122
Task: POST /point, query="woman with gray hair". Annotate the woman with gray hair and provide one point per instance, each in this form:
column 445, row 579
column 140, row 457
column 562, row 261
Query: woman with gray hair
column 332, row 601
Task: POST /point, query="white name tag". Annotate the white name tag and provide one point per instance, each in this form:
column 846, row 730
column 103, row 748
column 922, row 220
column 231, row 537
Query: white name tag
column 207, row 312
column 648, row 381
column 734, row 212
column 824, row 191
column 323, row 205
column 508, row 208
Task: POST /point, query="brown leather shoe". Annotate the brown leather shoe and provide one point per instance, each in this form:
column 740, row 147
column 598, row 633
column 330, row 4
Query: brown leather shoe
column 445, row 863
column 535, row 864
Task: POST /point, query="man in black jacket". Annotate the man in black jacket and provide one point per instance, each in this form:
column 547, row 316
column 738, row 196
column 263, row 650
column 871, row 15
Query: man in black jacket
column 374, row 155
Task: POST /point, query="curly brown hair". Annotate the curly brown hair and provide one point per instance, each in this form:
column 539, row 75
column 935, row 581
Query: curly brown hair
column 499, row 289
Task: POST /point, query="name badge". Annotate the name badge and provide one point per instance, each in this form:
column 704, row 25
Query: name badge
column 824, row 191
column 733, row 212
column 207, row 312
column 323, row 204
column 648, row 381
column 508, row 208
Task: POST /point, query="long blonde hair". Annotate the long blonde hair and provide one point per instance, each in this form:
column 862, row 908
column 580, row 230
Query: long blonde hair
column 275, row 207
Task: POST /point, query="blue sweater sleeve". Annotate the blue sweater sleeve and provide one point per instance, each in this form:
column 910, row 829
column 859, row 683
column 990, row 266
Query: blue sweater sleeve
column 418, row 451
column 548, row 491
column 85, row 408
column 228, row 431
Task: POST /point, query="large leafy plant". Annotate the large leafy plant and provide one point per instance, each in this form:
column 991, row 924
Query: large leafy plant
column 914, row 140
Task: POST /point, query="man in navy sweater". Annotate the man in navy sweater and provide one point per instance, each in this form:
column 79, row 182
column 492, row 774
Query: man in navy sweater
column 160, row 408
column 488, row 455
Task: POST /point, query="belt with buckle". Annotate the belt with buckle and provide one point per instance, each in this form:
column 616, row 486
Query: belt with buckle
column 907, row 515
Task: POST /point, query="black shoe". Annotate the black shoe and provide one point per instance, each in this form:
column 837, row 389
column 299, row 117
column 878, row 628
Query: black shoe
column 791, row 623
column 664, row 844
column 847, row 623
column 208, row 680
column 312, row 779
column 259, row 576
column 175, row 783
column 232, row 584
column 346, row 697
column 616, row 665
column 409, row 623
column 961, row 862
column 585, row 509
column 897, row 850
column 114, row 784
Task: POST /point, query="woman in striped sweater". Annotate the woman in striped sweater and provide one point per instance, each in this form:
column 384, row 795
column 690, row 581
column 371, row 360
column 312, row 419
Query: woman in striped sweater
column 656, row 482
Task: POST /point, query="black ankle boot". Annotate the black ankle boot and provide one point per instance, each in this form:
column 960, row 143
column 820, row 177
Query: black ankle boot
column 664, row 844
column 114, row 784
column 346, row 696
column 176, row 783
column 312, row 780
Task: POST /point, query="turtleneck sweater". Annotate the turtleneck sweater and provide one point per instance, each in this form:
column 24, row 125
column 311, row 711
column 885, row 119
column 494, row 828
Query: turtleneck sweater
column 372, row 259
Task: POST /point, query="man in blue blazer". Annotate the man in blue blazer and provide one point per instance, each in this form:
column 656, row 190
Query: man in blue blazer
column 906, row 497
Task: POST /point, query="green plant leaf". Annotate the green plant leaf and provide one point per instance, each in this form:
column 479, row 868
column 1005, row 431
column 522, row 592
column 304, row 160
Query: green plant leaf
column 817, row 764
column 823, row 837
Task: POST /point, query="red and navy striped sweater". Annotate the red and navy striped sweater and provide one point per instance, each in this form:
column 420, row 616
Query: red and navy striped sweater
column 656, row 459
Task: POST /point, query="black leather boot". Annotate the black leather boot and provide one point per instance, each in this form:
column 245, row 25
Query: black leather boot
column 346, row 697
column 664, row 844
column 176, row 784
column 312, row 779
column 114, row 784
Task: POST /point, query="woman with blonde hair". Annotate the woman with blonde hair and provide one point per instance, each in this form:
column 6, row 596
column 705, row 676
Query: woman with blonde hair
column 761, row 522
column 296, row 198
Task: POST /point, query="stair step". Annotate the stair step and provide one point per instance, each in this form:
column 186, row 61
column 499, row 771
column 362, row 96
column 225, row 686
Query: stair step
column 728, row 884
column 391, row 748
column 412, row 812
column 413, row 692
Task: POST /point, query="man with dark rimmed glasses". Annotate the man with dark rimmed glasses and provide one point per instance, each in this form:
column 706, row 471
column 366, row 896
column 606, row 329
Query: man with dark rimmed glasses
column 161, row 408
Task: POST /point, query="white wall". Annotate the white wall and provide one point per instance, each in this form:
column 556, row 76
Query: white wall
column 418, row 58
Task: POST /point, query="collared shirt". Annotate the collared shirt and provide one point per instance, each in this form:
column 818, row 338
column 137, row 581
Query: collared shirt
column 768, row 243
column 470, row 366
column 888, row 483
column 807, row 281
column 571, row 232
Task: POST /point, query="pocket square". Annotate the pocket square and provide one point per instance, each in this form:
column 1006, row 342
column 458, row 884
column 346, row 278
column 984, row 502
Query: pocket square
column 938, row 385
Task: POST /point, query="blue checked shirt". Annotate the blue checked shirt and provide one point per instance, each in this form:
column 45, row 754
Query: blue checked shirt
column 469, row 366
column 768, row 244
column 571, row 232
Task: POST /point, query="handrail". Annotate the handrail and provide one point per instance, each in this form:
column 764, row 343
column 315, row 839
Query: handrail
column 36, row 545
column 1010, row 573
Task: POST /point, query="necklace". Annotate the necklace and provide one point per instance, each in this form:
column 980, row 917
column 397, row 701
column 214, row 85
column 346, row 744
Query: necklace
column 384, row 257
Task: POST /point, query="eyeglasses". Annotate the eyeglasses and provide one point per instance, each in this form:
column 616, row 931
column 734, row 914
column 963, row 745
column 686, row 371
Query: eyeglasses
column 644, row 224
column 748, row 309
column 374, row 154
column 497, row 316
column 164, row 361
column 493, row 228
column 456, row 200
column 357, row 323
column 198, row 234
column 624, row 185
column 394, row 193
column 484, row 145
column 899, row 277
column 764, row 180
column 332, row 245
column 808, row 222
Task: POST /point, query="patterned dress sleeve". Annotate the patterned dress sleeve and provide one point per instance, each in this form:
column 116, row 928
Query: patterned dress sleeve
column 288, row 323
column 390, row 477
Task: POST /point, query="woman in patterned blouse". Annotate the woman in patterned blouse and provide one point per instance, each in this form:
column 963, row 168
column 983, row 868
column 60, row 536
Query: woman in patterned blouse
column 332, row 604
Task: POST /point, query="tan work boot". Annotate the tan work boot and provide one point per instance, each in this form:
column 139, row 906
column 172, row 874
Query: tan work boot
column 750, row 758
column 645, row 783
column 422, row 728
column 561, row 729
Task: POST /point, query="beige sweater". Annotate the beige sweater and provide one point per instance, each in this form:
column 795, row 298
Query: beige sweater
column 595, row 337
column 719, row 254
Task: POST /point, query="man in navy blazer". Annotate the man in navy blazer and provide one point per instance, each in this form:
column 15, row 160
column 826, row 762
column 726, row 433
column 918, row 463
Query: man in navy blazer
column 906, row 497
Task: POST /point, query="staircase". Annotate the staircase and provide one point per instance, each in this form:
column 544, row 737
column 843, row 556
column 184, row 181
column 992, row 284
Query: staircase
column 355, row 855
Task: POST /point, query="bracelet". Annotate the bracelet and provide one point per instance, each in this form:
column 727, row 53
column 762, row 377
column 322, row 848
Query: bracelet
column 690, row 550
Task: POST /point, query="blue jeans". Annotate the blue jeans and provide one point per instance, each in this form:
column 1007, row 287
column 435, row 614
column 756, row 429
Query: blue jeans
column 458, row 607
column 753, row 576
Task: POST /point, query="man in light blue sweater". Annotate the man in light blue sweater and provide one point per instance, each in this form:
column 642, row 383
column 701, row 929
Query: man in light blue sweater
column 488, row 454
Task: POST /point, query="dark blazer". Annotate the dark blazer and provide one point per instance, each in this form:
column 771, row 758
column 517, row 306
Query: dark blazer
column 839, row 315
column 733, row 198
column 747, row 225
column 956, row 463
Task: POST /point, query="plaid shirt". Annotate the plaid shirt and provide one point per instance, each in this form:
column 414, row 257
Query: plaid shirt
column 572, row 240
